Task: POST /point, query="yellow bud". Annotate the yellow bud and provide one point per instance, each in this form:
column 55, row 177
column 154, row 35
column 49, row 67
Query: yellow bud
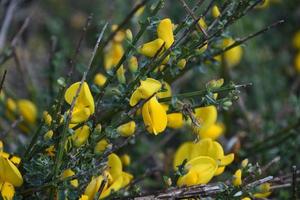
column 129, row 34
column 47, row 118
column 245, row 163
column 48, row 135
column 215, row 11
column 121, row 75
column 127, row 129
column 100, row 146
column 126, row 160
column 237, row 178
column 81, row 135
column 133, row 64
column 181, row 63
column 28, row 110
column 233, row 56
column 98, row 128
column 202, row 23
column 100, row 79
column 11, row 105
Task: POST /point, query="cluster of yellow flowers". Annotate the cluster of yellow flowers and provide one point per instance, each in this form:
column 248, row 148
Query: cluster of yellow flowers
column 296, row 45
column 10, row 176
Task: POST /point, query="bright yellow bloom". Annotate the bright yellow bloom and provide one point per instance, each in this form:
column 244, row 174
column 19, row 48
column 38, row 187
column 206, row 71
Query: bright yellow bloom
column 175, row 120
column 237, row 178
column 48, row 135
column 81, row 135
column 113, row 56
column 68, row 173
column 202, row 23
column 296, row 40
column 205, row 147
column 263, row 191
column 297, row 62
column 101, row 146
column 47, row 118
column 165, row 32
column 84, row 197
column 126, row 160
column 206, row 116
column 200, row 171
column 28, row 110
column 127, row 129
column 133, row 64
column 10, row 173
column 84, row 104
column 166, row 93
column 154, row 116
column 115, row 178
column 181, row 63
column 100, row 79
column 214, row 131
column 215, row 11
column 150, row 49
column 147, row 88
column 233, row 56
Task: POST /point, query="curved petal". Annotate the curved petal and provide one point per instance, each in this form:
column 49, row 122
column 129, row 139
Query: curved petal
column 9, row 172
column 93, row 187
column 207, row 116
column 151, row 48
column 182, row 153
column 158, row 116
column 165, row 32
column 115, row 166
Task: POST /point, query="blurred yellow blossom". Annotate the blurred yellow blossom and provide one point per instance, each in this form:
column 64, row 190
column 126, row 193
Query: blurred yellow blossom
column 68, row 173
column 100, row 79
column 181, row 63
column 297, row 62
column 175, row 120
column 28, row 110
column 237, row 178
column 126, row 160
column 127, row 129
column 296, row 40
column 81, row 135
column 263, row 191
column 101, row 146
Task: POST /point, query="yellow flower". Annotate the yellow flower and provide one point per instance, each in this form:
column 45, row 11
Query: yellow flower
column 113, row 56
column 165, row 32
column 28, row 110
column 133, row 64
column 233, row 56
column 175, row 120
column 126, row 160
column 166, row 93
column 150, row 49
column 84, row 104
column 7, row 190
column 81, row 135
column 147, row 88
column 297, row 63
column 215, row 11
column 115, row 179
column 205, row 147
column 68, row 173
column 154, row 116
column 48, row 135
column 127, row 129
column 237, row 178
column 100, row 79
column 296, row 40
column 84, row 197
column 120, row 35
column 181, row 63
column 263, row 191
column 200, row 171
column 101, row 146
column 214, row 131
column 47, row 118
column 202, row 23
column 206, row 116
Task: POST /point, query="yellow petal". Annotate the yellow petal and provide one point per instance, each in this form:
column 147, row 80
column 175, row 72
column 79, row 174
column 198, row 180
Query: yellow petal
column 146, row 89
column 115, row 186
column 201, row 168
column 175, row 120
column 182, row 153
column 68, row 173
column 233, row 56
column 113, row 56
column 1, row 146
column 213, row 132
column 100, row 146
column 126, row 178
column 133, row 64
column 126, row 160
column 206, row 116
column 80, row 114
column 219, row 171
column 93, row 187
column 115, row 166
column 215, row 11
column 150, row 49
column 154, row 116
column 226, row 160
column 181, row 63
column 28, row 110
column 81, row 135
column 165, row 32
column 166, row 93
column 202, row 23
column 15, row 160
column 9, row 172
column 7, row 191
column 127, row 129
column 84, row 197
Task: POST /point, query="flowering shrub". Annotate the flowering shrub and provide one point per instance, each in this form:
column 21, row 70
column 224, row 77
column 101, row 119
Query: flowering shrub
column 149, row 116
